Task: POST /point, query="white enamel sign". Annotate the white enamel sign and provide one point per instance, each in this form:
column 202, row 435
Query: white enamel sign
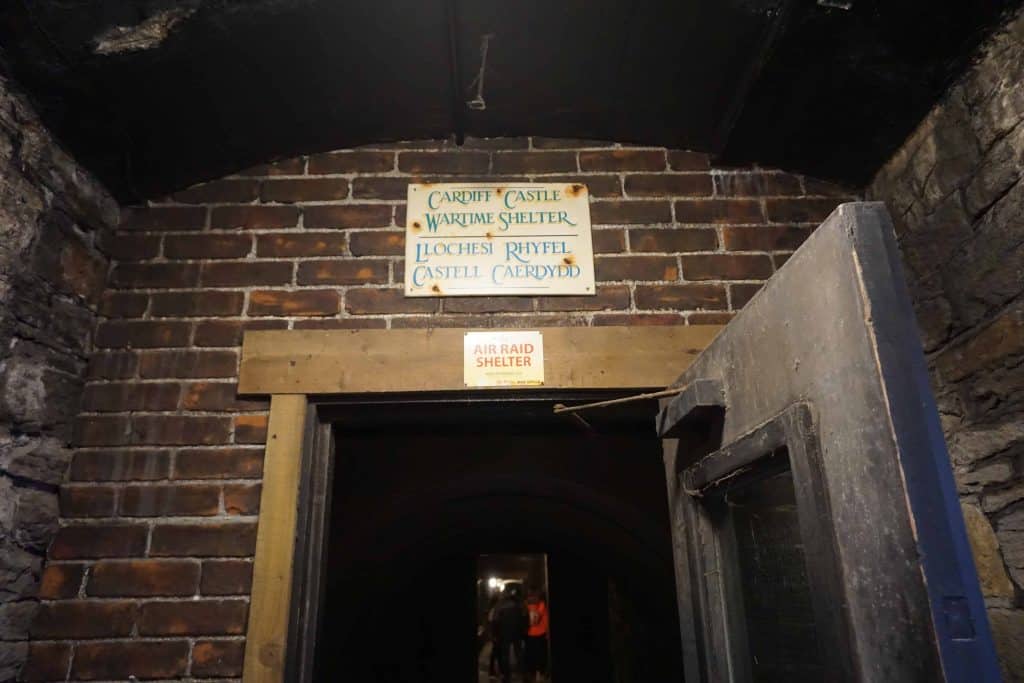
column 486, row 239
column 501, row 359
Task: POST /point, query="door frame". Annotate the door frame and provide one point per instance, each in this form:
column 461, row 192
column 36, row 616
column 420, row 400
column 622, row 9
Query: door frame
column 299, row 368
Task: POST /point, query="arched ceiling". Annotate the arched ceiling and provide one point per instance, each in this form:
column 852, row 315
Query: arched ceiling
column 154, row 95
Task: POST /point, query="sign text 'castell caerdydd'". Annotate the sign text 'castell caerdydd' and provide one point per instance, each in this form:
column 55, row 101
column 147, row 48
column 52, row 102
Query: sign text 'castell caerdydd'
column 466, row 239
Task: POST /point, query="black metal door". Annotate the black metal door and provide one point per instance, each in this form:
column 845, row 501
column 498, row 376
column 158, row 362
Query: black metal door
column 816, row 526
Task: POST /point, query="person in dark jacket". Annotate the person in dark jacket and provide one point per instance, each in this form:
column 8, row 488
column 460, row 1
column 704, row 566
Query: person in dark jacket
column 509, row 629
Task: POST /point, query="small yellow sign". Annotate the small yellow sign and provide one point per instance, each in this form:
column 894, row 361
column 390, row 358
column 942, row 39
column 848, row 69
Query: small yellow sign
column 502, row 359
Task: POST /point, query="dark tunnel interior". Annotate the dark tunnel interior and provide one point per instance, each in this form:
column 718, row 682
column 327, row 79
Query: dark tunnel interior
column 419, row 493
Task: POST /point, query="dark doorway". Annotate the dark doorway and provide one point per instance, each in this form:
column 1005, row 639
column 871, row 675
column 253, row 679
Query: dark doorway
column 421, row 490
column 513, row 613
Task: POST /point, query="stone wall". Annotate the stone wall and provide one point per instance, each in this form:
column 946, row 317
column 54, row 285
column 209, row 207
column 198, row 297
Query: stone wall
column 149, row 574
column 957, row 197
column 51, row 279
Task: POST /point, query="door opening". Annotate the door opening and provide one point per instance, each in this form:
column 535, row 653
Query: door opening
column 513, row 617
column 427, row 497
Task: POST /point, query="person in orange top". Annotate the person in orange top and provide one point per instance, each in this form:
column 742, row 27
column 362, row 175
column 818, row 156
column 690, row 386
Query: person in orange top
column 537, row 637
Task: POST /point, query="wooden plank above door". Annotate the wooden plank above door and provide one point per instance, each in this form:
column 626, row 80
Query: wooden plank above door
column 372, row 361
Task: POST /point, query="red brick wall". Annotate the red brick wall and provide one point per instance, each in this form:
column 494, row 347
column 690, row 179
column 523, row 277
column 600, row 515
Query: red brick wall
column 149, row 573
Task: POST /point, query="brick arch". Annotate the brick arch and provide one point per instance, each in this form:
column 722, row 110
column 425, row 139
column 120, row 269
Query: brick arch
column 164, row 485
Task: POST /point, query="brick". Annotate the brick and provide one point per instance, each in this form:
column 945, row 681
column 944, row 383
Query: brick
column 298, row 302
column 381, row 187
column 672, row 240
column 145, row 465
column 242, row 499
column 86, row 501
column 740, row 294
column 703, row 318
column 165, row 500
column 358, row 161
column 341, row 324
column 458, row 163
column 675, row 184
column 348, row 216
column 116, row 365
column 611, row 241
column 180, row 430
column 143, row 578
column 207, row 246
column 380, row 301
column 133, row 660
column 81, row 619
column 757, row 184
column 251, row 429
column 246, row 273
column 764, row 238
column 253, row 217
column 81, row 542
column 607, row 297
column 337, row 272
column 229, row 332
column 799, row 210
column 718, row 211
column 680, row 297
column 377, row 243
column 217, row 658
column 618, row 268
column 141, row 334
column 638, row 319
column 226, row 577
column 163, row 218
column 216, row 397
column 623, row 160
column 601, row 186
column 814, row 186
column 400, row 214
column 301, row 244
column 683, row 160
column 727, row 267
column 293, row 166
column 125, row 396
column 101, row 431
column 129, row 247
column 303, row 190
column 47, row 662
column 198, row 364
column 534, row 162
column 637, row 211
column 488, row 304
column 229, row 463
column 471, row 142
column 123, row 304
column 193, row 304
column 193, row 618
column 204, row 540
column 780, row 259
column 567, row 143
column 220, row 192
column 154, row 275
column 444, row 321
column 61, row 581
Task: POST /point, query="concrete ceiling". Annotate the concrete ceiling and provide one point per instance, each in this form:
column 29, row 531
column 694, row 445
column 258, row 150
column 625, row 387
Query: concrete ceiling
column 154, row 95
